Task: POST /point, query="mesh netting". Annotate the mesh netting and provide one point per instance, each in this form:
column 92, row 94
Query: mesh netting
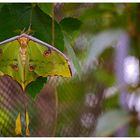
column 50, row 115
column 13, row 101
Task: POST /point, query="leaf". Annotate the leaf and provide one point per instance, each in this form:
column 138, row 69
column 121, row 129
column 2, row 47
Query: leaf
column 1, row 5
column 70, row 25
column 35, row 87
column 31, row 58
column 46, row 8
column 72, row 54
column 111, row 121
column 111, row 102
column 19, row 17
column 106, row 78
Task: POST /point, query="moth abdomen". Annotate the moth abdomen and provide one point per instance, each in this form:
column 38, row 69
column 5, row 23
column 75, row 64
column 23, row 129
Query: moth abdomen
column 25, row 58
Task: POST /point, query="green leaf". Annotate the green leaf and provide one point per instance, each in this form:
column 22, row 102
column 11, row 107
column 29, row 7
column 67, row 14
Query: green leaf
column 35, row 87
column 16, row 18
column 72, row 54
column 1, row 5
column 46, row 8
column 70, row 24
column 111, row 121
column 108, row 79
column 111, row 102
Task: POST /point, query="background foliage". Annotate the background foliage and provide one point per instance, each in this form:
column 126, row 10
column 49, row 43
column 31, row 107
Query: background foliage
column 96, row 101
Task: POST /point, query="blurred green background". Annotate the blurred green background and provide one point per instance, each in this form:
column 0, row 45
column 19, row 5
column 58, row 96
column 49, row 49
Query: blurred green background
column 102, row 42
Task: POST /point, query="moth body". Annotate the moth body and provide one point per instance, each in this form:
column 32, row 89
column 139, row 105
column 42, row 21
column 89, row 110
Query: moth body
column 23, row 41
column 30, row 59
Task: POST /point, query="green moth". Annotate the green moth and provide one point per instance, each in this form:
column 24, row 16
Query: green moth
column 25, row 58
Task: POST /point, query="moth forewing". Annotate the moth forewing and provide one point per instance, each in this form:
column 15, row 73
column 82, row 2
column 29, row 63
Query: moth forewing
column 51, row 48
column 29, row 64
column 9, row 40
column 47, row 45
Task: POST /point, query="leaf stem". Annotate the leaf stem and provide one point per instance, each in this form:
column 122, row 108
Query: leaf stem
column 53, row 34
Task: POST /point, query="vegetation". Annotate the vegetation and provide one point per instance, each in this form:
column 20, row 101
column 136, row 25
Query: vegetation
column 102, row 43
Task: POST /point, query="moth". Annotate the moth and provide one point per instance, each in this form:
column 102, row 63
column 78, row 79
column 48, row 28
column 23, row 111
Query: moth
column 25, row 58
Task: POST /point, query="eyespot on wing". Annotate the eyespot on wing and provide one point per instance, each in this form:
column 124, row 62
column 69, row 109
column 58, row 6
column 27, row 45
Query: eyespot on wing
column 47, row 52
column 32, row 67
column 14, row 66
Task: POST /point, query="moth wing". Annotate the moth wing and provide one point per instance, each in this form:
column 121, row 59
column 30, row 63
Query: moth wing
column 46, row 61
column 9, row 60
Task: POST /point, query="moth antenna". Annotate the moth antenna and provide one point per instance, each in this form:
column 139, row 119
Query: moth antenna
column 23, row 31
column 30, row 25
column 18, row 31
column 29, row 29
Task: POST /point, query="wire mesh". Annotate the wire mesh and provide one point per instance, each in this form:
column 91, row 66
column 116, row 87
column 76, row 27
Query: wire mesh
column 49, row 113
column 13, row 101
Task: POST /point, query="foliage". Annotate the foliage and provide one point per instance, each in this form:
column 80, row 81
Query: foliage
column 88, row 33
